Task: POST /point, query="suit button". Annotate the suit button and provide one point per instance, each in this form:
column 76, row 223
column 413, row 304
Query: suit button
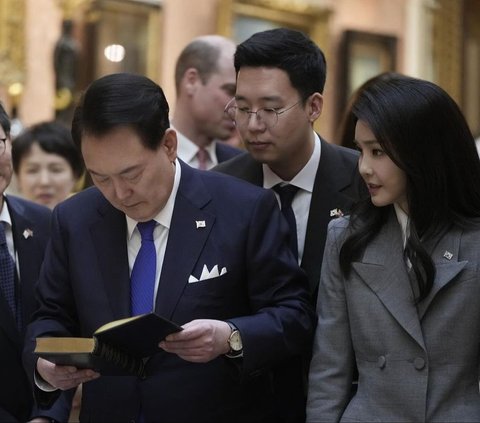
column 382, row 361
column 419, row 363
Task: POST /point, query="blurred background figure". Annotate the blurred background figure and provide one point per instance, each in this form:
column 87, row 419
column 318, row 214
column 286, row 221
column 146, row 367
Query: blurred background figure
column 205, row 83
column 65, row 62
column 346, row 129
column 46, row 163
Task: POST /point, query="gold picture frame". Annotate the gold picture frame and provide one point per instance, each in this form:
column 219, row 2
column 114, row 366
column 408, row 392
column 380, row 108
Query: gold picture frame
column 135, row 25
column 362, row 56
column 238, row 19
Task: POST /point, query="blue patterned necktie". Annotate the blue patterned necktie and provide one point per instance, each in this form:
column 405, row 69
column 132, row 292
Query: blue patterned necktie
column 286, row 194
column 7, row 273
column 142, row 280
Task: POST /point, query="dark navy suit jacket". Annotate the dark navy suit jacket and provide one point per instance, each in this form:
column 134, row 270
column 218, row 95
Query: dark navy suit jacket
column 85, row 283
column 337, row 186
column 225, row 152
column 16, row 398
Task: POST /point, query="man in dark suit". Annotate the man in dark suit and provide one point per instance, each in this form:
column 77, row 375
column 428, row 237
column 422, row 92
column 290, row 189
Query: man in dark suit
column 205, row 83
column 280, row 79
column 222, row 268
column 24, row 231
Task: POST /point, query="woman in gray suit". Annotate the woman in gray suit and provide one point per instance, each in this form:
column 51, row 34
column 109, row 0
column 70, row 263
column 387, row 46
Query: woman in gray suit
column 399, row 294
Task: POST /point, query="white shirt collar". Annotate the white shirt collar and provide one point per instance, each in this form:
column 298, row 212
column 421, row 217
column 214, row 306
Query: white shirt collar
column 164, row 217
column 187, row 149
column 5, row 214
column 304, row 179
column 402, row 218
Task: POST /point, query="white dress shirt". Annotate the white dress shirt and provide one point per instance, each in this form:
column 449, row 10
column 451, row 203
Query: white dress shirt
column 160, row 233
column 187, row 151
column 304, row 180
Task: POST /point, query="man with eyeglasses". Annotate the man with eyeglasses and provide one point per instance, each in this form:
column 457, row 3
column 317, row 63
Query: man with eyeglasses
column 24, row 232
column 280, row 79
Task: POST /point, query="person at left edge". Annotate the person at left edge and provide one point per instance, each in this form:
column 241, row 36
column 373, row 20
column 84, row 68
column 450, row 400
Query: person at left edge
column 224, row 270
column 25, row 228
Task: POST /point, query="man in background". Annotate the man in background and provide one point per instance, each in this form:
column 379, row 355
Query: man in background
column 279, row 95
column 24, row 232
column 205, row 83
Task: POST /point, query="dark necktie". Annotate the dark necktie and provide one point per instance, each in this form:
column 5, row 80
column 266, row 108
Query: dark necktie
column 286, row 193
column 7, row 273
column 142, row 280
column 202, row 157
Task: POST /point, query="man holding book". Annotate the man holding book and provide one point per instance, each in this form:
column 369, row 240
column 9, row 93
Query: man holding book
column 203, row 250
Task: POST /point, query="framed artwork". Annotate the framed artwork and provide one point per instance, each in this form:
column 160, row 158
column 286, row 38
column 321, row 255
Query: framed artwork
column 362, row 56
column 123, row 36
column 239, row 19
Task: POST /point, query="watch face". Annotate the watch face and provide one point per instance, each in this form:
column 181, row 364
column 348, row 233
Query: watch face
column 235, row 341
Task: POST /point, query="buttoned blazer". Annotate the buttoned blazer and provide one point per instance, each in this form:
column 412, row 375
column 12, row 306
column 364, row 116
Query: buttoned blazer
column 31, row 230
column 337, row 186
column 415, row 363
column 85, row 283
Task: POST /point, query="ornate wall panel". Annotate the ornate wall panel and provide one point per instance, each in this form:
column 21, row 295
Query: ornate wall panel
column 241, row 18
column 447, row 46
column 12, row 42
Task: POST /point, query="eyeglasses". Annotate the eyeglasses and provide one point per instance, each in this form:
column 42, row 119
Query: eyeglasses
column 3, row 145
column 266, row 115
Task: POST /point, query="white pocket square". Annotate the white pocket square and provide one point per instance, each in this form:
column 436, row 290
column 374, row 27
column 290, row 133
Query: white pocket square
column 206, row 274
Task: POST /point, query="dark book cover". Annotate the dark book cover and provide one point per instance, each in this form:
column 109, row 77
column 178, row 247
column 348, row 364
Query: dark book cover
column 116, row 348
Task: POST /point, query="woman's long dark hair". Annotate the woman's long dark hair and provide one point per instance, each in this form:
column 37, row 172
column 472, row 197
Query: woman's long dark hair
column 423, row 131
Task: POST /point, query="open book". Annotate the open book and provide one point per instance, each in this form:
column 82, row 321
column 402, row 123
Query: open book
column 120, row 347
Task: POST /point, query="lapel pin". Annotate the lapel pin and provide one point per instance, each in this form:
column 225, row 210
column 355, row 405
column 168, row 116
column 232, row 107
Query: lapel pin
column 336, row 213
column 448, row 255
column 27, row 233
column 200, row 223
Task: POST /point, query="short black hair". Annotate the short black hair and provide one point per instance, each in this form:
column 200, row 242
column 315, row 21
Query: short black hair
column 122, row 100
column 52, row 137
column 289, row 50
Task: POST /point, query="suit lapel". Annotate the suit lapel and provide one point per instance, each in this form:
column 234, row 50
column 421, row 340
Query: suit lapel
column 109, row 236
column 250, row 170
column 384, row 271
column 185, row 240
column 445, row 257
column 8, row 324
column 332, row 177
column 27, row 250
